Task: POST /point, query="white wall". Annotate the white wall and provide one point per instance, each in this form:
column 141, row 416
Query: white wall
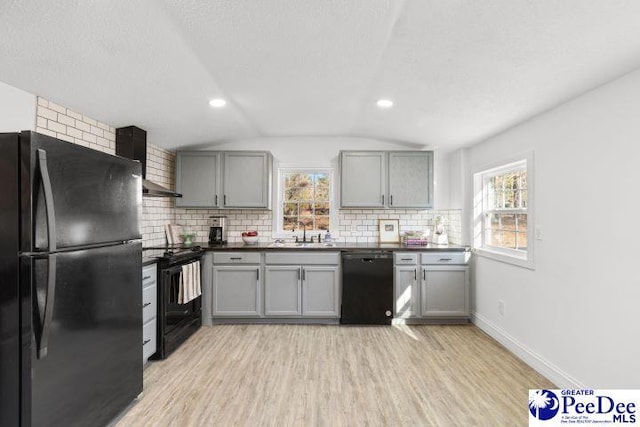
column 323, row 152
column 17, row 109
column 576, row 317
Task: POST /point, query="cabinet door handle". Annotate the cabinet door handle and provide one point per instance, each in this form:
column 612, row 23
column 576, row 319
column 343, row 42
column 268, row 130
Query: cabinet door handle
column 145, row 342
column 216, row 203
column 299, row 272
column 415, row 274
column 236, row 258
column 146, row 304
column 445, row 259
column 424, row 274
column 405, row 259
column 383, row 199
column 258, row 274
column 224, row 199
column 391, row 200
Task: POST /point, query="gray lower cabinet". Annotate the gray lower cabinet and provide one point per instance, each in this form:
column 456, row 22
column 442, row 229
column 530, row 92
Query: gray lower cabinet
column 407, row 292
column 308, row 288
column 149, row 310
column 320, row 291
column 282, row 290
column 431, row 285
column 236, row 291
column 445, row 291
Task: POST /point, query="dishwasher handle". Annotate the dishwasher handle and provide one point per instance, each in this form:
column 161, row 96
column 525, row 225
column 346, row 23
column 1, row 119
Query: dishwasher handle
column 367, row 256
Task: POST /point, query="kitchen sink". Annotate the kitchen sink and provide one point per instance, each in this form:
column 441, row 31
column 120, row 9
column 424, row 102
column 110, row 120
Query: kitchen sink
column 302, row 245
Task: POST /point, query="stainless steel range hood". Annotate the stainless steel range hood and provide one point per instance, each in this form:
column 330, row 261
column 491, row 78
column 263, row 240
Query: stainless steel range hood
column 131, row 142
column 151, row 189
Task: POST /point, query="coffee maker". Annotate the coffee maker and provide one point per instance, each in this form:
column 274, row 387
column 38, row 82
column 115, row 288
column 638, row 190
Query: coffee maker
column 218, row 230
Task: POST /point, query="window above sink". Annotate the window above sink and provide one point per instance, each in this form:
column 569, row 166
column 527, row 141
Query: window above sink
column 304, row 202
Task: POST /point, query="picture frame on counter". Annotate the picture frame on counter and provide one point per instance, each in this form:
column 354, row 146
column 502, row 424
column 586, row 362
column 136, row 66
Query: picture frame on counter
column 389, row 230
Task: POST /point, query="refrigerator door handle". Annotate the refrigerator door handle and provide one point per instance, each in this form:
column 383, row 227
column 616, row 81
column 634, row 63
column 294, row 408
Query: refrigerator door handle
column 42, row 323
column 48, row 307
column 48, row 200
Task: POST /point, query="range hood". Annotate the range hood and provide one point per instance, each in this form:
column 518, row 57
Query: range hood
column 151, row 189
column 131, row 142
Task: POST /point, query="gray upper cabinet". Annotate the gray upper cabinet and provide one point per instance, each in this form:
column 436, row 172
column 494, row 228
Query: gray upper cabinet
column 363, row 179
column 411, row 179
column 376, row 179
column 247, row 179
column 197, row 179
column 233, row 179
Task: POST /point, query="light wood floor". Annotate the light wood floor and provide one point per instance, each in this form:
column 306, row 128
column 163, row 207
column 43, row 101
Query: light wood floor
column 304, row 375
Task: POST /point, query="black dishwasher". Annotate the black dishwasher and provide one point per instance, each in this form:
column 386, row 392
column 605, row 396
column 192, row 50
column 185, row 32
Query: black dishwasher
column 367, row 288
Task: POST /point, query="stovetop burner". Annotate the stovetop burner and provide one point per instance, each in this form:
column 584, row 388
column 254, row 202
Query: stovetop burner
column 181, row 254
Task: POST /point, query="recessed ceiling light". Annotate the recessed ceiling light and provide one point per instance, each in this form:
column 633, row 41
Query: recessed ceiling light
column 384, row 103
column 217, row 102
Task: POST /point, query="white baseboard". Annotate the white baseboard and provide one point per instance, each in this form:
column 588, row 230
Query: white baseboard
column 556, row 375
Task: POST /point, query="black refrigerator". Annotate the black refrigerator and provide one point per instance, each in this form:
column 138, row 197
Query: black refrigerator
column 70, row 283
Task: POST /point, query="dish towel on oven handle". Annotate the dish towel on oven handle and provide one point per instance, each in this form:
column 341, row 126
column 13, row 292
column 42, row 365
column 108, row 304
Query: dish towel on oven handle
column 190, row 286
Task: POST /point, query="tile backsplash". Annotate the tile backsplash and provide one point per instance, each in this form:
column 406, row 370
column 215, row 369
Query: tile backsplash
column 354, row 225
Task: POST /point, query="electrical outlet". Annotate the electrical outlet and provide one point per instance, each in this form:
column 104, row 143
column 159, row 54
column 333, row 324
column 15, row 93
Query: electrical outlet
column 501, row 307
column 538, row 232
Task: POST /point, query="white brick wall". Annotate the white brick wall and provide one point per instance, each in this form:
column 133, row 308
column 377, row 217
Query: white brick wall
column 158, row 211
column 60, row 122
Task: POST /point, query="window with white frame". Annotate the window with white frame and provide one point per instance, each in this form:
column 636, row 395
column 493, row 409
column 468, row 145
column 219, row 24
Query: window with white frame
column 304, row 200
column 503, row 212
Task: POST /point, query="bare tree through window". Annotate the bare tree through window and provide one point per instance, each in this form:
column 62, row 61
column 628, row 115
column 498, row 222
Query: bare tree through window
column 506, row 214
column 306, row 200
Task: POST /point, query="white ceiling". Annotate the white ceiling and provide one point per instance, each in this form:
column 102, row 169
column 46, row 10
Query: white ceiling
column 458, row 71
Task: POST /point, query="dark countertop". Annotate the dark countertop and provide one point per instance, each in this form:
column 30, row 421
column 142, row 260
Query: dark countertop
column 150, row 255
column 268, row 246
column 146, row 260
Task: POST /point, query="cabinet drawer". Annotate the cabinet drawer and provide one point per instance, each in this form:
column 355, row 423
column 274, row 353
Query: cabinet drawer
column 444, row 258
column 148, row 339
column 405, row 258
column 304, row 258
column 236, row 257
column 149, row 303
column 149, row 275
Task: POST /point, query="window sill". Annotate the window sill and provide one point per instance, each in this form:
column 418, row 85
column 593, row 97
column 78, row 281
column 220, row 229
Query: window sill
column 523, row 262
